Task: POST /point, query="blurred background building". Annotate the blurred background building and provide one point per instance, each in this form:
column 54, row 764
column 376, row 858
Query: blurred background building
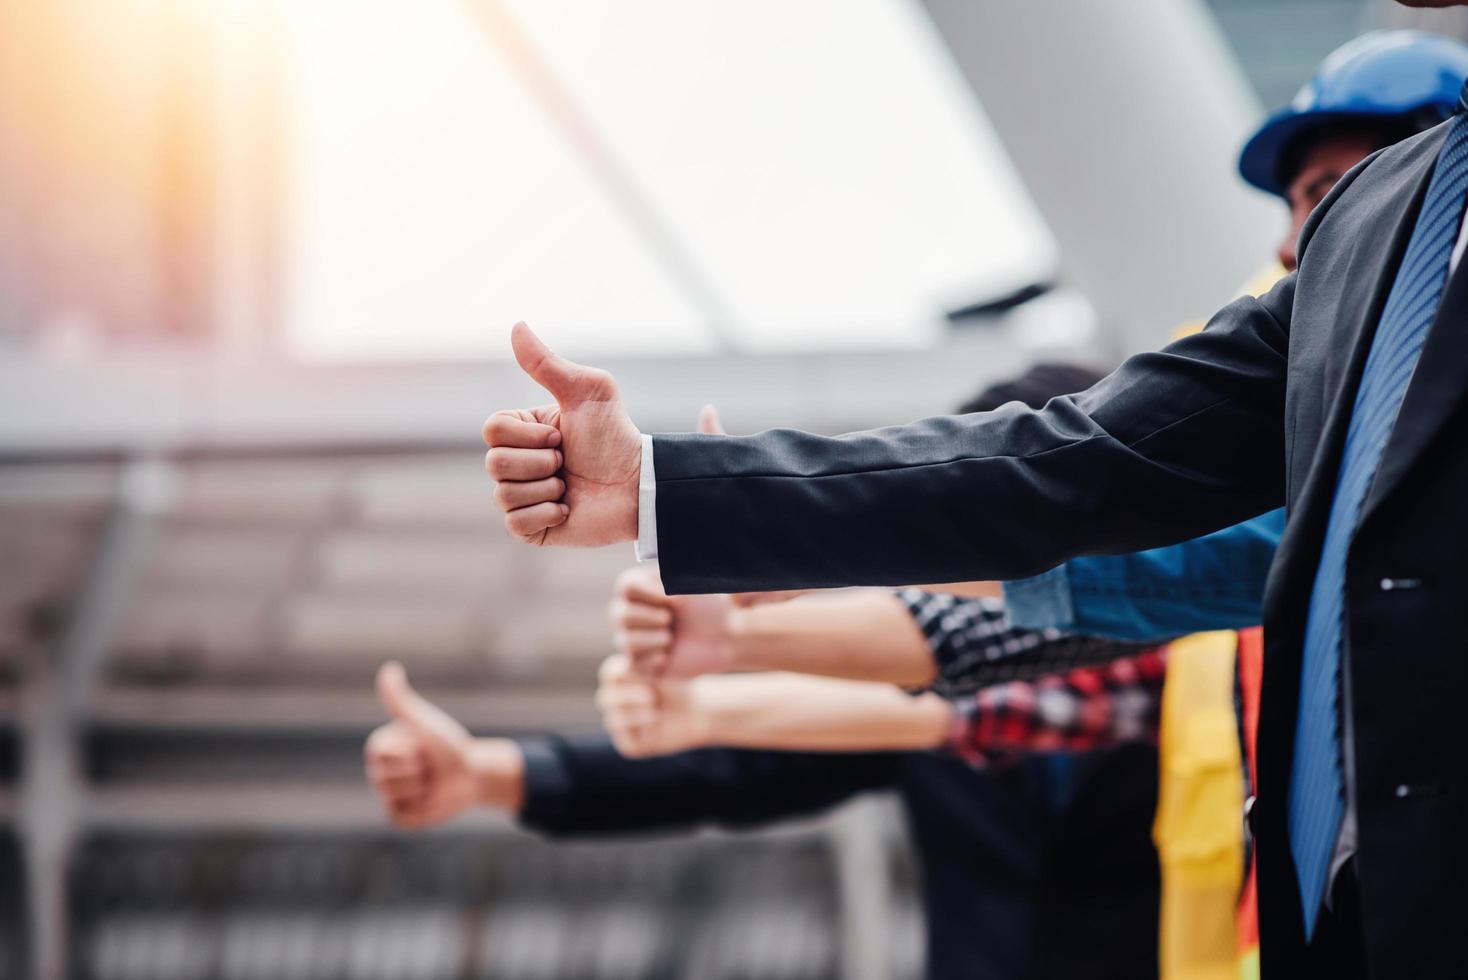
column 257, row 264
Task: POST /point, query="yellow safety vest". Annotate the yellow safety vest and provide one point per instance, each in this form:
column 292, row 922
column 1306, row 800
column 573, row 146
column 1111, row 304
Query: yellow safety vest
column 1197, row 830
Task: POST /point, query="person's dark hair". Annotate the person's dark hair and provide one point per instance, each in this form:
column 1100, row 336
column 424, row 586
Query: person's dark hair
column 1035, row 387
column 1382, row 132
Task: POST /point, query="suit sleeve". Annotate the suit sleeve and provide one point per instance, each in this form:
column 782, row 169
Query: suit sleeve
column 1214, row 582
column 1174, row 444
column 578, row 785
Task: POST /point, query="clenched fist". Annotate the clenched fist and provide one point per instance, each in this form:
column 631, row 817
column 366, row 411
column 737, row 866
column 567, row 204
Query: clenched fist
column 567, row 473
column 426, row 768
column 646, row 718
column 669, row 636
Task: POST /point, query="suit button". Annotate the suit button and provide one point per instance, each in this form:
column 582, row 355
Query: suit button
column 1392, row 584
column 1251, row 805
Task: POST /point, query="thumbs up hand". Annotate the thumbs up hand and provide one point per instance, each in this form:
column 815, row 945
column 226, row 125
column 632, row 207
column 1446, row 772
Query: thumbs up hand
column 708, row 421
column 646, row 718
column 669, row 636
column 426, row 768
column 566, row 473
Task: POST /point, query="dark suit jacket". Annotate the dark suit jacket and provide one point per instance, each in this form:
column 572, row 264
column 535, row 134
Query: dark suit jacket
column 1025, row 876
column 1215, row 428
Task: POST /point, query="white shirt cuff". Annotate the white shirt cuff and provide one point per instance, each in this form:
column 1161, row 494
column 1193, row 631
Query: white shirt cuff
column 647, row 506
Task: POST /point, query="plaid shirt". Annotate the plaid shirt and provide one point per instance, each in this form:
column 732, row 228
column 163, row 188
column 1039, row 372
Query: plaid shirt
column 974, row 645
column 1086, row 708
column 1018, row 691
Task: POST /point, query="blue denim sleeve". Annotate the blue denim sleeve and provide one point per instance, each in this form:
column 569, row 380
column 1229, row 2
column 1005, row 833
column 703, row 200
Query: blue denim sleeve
column 1208, row 583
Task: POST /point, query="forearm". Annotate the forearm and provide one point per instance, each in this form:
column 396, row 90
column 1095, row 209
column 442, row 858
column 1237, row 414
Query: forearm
column 498, row 765
column 578, row 785
column 866, row 635
column 967, row 590
column 791, row 711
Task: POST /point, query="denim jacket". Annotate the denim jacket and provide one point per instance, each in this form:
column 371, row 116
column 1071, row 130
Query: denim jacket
column 1209, row 583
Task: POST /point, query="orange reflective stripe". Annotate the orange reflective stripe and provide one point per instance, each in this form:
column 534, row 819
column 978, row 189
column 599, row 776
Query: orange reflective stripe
column 1251, row 681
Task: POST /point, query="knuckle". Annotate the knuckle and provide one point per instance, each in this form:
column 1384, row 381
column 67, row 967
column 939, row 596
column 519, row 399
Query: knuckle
column 531, row 523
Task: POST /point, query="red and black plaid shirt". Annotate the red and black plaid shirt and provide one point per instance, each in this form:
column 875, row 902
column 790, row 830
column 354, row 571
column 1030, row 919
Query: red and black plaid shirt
column 1085, row 708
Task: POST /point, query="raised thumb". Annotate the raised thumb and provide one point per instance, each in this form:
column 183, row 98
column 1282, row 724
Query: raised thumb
column 547, row 368
column 397, row 695
column 708, row 421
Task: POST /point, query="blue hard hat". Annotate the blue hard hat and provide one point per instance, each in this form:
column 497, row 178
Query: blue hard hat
column 1409, row 77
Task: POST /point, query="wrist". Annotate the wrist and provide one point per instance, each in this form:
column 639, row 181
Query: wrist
column 498, row 768
column 706, row 724
column 738, row 634
column 936, row 720
column 628, row 524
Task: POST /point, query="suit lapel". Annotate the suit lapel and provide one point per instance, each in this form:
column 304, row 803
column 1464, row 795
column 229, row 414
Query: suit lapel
column 1358, row 311
column 1434, row 395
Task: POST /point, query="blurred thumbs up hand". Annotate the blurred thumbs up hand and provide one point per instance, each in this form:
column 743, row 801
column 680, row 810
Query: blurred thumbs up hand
column 567, row 473
column 646, row 718
column 426, row 768
column 708, row 421
column 669, row 636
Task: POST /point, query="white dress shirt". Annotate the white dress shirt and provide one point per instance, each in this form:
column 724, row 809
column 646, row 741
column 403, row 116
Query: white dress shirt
column 647, row 506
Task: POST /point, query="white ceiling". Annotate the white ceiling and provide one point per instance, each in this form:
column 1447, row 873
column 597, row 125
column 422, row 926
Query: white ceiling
column 652, row 176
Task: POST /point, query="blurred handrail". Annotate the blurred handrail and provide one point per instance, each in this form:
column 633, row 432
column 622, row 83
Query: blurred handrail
column 189, row 452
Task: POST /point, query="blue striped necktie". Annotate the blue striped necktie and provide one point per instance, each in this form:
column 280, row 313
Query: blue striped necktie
column 1316, row 804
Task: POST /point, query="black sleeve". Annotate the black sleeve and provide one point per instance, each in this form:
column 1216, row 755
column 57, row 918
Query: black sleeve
column 1174, row 444
column 580, row 785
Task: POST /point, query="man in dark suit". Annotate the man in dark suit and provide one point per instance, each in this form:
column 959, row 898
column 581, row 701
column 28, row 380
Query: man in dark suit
column 1340, row 393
